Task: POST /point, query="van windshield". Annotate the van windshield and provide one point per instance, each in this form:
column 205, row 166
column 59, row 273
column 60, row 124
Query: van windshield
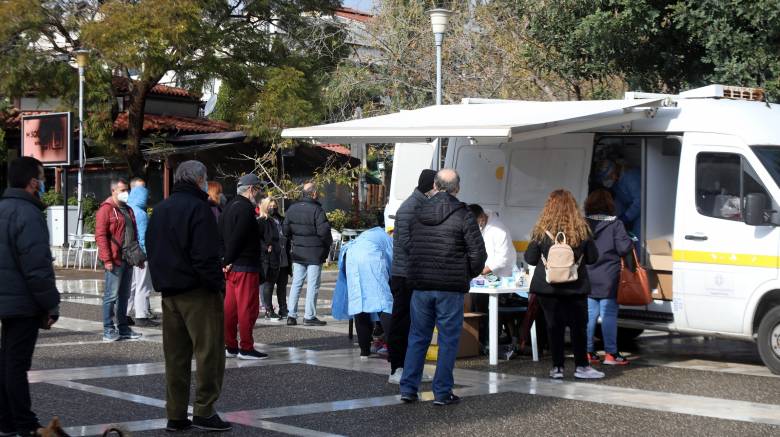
column 770, row 157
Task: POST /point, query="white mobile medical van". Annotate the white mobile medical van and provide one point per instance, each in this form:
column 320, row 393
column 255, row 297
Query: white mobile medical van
column 710, row 170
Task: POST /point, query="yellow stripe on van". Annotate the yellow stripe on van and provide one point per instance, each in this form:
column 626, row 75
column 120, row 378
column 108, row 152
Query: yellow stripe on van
column 723, row 258
column 520, row 246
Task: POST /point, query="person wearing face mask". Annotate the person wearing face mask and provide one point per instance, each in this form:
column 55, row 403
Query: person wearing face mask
column 29, row 300
column 625, row 184
column 501, row 256
column 275, row 259
column 182, row 243
column 498, row 242
column 141, row 288
column 116, row 234
column 241, row 243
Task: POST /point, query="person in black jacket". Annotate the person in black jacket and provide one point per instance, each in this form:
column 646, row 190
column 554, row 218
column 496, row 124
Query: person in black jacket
column 242, row 241
column 29, row 299
column 275, row 259
column 564, row 303
column 446, row 252
column 182, row 245
column 398, row 335
column 613, row 243
column 308, row 231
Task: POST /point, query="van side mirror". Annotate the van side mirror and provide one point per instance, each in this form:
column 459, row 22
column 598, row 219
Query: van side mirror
column 755, row 209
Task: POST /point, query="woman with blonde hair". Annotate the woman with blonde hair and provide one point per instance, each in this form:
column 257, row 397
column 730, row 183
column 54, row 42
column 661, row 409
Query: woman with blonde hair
column 564, row 303
column 274, row 260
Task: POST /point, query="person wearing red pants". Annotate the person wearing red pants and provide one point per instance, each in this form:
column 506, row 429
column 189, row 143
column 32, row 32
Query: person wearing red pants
column 241, row 241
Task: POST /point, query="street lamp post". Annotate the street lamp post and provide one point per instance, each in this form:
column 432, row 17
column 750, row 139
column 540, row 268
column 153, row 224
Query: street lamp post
column 439, row 18
column 82, row 57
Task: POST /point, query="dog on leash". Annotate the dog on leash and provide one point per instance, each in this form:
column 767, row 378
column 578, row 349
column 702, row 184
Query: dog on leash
column 54, row 429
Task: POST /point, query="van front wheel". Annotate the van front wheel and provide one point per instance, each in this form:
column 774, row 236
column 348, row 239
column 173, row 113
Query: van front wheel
column 769, row 340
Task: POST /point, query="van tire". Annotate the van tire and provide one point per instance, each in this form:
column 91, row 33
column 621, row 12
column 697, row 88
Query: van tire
column 628, row 335
column 770, row 324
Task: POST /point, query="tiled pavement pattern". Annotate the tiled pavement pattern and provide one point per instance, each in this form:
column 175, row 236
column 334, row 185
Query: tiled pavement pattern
column 314, row 384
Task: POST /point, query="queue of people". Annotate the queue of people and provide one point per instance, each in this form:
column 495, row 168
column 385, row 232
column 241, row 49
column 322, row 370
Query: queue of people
column 209, row 259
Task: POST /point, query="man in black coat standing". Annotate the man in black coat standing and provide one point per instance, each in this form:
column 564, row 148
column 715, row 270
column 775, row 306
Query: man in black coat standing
column 29, row 299
column 446, row 252
column 182, row 244
column 308, row 231
column 398, row 335
column 241, row 239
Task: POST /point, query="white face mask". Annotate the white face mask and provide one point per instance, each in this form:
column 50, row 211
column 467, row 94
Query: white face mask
column 608, row 183
column 122, row 197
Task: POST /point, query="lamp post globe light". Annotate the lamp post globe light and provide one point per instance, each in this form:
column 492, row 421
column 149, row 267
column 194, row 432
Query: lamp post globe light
column 82, row 58
column 439, row 19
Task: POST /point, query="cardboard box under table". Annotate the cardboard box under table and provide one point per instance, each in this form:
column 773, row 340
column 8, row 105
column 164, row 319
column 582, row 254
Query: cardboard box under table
column 660, row 275
column 469, row 336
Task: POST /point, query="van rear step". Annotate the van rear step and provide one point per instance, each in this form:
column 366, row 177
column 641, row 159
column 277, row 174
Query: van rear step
column 655, row 316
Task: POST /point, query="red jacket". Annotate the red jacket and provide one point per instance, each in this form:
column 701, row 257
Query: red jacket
column 111, row 223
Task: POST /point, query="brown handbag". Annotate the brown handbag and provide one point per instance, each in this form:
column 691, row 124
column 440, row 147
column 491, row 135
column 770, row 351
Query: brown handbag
column 634, row 286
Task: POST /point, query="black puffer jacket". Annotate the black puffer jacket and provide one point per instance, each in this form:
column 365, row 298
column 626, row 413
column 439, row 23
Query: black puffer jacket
column 613, row 243
column 446, row 250
column 308, row 231
column 539, row 285
column 26, row 270
column 182, row 244
column 240, row 235
column 403, row 219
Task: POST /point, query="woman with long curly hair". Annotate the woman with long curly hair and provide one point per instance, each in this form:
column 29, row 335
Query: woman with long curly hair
column 564, row 304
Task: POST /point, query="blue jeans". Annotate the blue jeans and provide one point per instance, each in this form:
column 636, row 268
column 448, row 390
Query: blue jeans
column 443, row 309
column 311, row 274
column 608, row 308
column 117, row 294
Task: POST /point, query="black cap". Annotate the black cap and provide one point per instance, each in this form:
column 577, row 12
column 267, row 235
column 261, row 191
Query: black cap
column 425, row 182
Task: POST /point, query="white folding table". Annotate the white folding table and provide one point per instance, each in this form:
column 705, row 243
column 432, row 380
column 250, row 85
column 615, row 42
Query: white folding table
column 493, row 319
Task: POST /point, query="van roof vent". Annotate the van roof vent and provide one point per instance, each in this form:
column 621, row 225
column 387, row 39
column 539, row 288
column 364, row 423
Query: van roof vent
column 724, row 92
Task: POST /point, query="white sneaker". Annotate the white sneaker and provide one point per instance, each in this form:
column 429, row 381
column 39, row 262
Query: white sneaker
column 557, row 373
column 587, row 373
column 395, row 378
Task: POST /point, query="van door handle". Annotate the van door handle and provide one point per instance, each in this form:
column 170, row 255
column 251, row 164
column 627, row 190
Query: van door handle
column 696, row 237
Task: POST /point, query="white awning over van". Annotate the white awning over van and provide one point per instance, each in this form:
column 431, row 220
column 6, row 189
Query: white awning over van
column 510, row 121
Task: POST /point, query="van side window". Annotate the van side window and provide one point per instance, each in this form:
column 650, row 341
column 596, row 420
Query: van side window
column 722, row 182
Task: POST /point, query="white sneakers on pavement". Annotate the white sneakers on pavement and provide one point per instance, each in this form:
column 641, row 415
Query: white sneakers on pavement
column 395, row 378
column 587, row 373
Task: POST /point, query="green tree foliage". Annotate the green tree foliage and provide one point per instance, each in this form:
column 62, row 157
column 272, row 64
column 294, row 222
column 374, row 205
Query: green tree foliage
column 741, row 40
column 236, row 40
column 282, row 103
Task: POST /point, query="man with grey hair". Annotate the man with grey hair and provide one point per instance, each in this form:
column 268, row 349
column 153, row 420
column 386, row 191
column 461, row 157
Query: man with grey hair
column 446, row 252
column 308, row 230
column 241, row 241
column 183, row 248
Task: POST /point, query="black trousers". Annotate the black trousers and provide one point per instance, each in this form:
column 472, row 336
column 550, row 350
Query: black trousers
column 398, row 335
column 277, row 280
column 365, row 330
column 17, row 344
column 560, row 312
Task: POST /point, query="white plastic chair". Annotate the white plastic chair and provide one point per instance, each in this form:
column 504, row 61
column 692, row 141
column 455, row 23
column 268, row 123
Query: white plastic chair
column 75, row 244
column 89, row 245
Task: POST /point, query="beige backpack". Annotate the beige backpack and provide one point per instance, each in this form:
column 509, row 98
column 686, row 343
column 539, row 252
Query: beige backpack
column 559, row 264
